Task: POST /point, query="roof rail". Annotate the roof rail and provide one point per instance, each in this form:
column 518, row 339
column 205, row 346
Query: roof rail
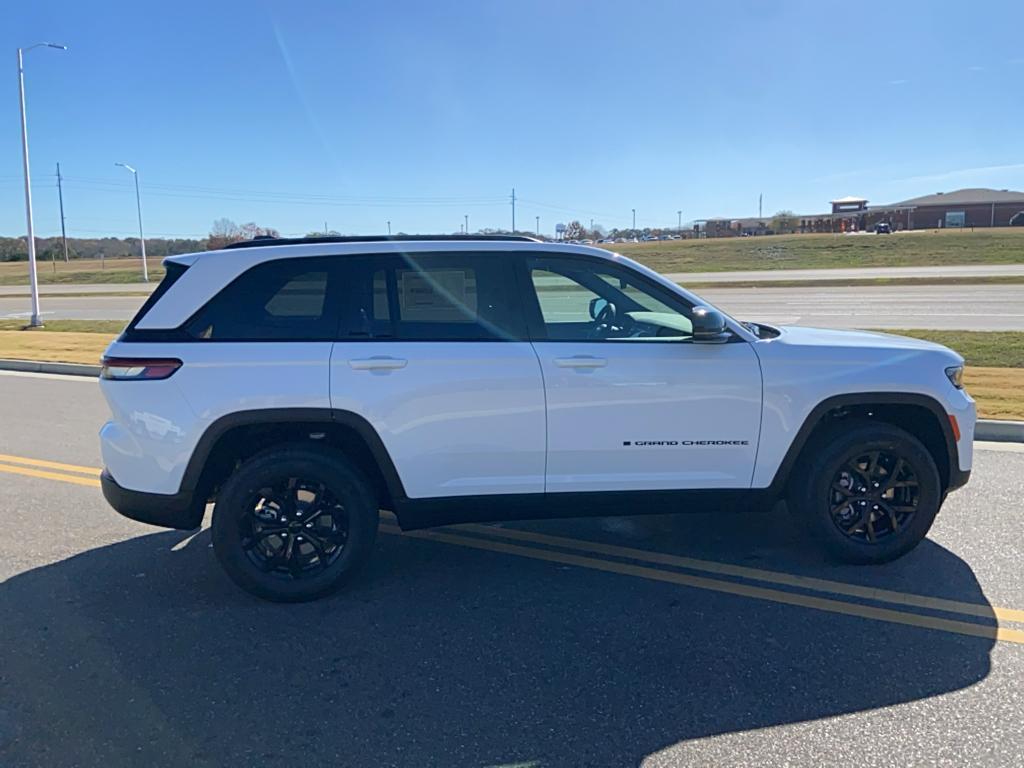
column 263, row 240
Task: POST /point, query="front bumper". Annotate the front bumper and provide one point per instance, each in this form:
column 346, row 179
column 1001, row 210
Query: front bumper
column 180, row 510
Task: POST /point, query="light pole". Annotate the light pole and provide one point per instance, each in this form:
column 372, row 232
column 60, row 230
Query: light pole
column 138, row 206
column 35, row 322
column 679, row 227
column 538, row 225
column 634, row 221
column 389, row 228
column 466, row 217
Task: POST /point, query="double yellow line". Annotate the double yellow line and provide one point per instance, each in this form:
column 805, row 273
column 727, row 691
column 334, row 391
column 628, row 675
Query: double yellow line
column 50, row 470
column 803, row 591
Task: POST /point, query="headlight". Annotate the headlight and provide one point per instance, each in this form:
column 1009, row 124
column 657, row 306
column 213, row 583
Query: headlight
column 955, row 374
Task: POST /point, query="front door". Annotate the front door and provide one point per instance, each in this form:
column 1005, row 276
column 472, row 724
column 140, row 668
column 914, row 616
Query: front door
column 632, row 402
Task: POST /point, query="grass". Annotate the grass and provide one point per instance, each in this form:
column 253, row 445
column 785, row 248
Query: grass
column 994, row 375
column 909, row 249
column 79, row 271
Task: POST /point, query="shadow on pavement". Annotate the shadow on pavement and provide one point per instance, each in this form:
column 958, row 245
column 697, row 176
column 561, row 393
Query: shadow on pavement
column 143, row 653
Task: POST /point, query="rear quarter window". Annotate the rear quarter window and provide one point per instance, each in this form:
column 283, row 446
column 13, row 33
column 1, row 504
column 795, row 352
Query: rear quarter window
column 281, row 300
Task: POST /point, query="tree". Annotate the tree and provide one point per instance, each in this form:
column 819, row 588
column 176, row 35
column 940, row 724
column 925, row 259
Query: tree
column 573, row 231
column 783, row 222
column 225, row 231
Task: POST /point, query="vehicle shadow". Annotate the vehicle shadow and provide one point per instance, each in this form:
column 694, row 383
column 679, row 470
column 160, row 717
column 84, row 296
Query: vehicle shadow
column 142, row 653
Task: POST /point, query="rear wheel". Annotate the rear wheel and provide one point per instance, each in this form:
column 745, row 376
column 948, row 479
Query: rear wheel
column 866, row 492
column 294, row 524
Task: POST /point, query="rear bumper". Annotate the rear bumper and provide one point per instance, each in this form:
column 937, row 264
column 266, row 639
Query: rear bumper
column 958, row 479
column 179, row 510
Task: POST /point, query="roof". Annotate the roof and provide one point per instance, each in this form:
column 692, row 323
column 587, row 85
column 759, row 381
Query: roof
column 845, row 200
column 972, row 196
column 264, row 240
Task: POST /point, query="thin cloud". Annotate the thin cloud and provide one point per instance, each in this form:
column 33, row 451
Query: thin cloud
column 898, row 82
column 947, row 175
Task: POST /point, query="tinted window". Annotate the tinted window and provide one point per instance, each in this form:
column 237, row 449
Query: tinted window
column 445, row 297
column 583, row 300
column 279, row 300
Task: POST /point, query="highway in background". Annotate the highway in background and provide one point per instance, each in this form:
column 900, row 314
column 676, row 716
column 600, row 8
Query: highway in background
column 989, row 307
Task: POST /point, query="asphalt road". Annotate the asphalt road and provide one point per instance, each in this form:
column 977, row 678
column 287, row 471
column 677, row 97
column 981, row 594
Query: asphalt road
column 121, row 644
column 965, row 307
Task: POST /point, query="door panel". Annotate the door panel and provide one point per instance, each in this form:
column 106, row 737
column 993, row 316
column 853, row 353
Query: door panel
column 457, row 418
column 638, row 421
column 633, row 403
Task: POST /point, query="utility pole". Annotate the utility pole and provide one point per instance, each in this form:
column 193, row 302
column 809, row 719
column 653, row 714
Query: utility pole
column 591, row 227
column 513, row 210
column 538, row 225
column 35, row 322
column 679, row 226
column 63, row 233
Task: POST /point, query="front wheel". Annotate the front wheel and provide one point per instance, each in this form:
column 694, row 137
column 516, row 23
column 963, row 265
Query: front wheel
column 866, row 492
column 294, row 524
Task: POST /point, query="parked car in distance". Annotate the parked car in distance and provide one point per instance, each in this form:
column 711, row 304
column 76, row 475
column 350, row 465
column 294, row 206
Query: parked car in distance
column 883, row 228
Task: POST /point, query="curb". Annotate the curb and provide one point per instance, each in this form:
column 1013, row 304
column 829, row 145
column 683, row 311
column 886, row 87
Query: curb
column 67, row 369
column 999, row 431
column 986, row 429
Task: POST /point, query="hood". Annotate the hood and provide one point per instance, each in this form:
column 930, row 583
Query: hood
column 862, row 341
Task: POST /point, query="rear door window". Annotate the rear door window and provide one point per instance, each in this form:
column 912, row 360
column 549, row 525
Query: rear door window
column 436, row 297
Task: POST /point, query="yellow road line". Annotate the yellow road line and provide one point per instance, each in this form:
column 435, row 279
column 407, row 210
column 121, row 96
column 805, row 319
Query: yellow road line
column 62, row 477
column 48, row 464
column 756, row 574
column 743, row 590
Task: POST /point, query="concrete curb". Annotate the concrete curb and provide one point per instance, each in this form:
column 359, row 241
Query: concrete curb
column 34, row 366
column 986, row 429
column 999, row 431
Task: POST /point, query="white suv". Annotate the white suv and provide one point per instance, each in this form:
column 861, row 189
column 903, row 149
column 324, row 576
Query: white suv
column 301, row 386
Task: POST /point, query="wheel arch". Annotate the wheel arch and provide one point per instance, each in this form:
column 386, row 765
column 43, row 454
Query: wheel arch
column 237, row 436
column 920, row 415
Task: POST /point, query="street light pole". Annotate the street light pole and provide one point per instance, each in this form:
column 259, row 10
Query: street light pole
column 35, row 321
column 634, row 221
column 466, row 217
column 389, row 228
column 679, row 227
column 138, row 206
column 538, row 225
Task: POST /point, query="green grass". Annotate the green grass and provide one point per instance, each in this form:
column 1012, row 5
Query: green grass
column 910, row 249
column 80, row 271
column 109, row 327
column 992, row 349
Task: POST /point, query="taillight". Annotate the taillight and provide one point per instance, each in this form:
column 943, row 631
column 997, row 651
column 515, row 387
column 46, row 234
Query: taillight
column 138, row 368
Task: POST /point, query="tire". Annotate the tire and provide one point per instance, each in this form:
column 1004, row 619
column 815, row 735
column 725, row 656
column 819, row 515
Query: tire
column 294, row 524
column 834, row 469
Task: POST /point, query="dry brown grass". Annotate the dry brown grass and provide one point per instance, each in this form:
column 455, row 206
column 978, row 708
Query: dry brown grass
column 56, row 346
column 998, row 391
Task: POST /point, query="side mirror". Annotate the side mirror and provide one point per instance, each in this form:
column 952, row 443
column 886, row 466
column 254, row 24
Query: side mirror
column 708, row 326
column 597, row 307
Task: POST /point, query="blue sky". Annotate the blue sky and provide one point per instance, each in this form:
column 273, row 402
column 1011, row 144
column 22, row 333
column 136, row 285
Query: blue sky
column 355, row 113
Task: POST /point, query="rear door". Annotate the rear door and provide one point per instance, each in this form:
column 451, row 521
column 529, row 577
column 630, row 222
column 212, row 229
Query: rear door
column 632, row 402
column 432, row 351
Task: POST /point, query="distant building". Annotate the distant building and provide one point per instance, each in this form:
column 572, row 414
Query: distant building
column 961, row 208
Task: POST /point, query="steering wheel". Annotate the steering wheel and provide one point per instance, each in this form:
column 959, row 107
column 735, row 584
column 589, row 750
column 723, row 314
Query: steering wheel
column 606, row 322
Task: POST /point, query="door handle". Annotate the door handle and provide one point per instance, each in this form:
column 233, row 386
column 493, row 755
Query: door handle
column 581, row 361
column 378, row 364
